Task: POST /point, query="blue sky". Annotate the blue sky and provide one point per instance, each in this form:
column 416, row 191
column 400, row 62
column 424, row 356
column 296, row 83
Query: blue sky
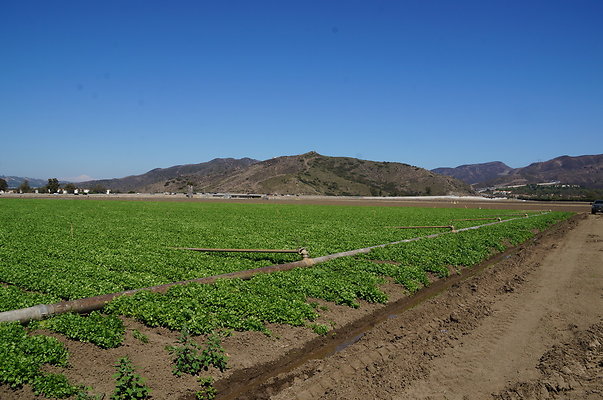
column 114, row 88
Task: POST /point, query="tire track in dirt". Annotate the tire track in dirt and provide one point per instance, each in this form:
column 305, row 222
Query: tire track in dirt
column 478, row 337
column 507, row 346
column 564, row 369
column 501, row 350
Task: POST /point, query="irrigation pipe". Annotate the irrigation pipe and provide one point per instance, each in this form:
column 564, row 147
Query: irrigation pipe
column 89, row 304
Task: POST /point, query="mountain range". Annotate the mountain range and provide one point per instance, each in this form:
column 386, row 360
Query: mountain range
column 153, row 181
column 309, row 174
column 586, row 171
column 16, row 181
column 315, row 174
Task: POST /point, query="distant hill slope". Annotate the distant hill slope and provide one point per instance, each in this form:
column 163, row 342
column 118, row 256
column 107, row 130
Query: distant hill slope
column 584, row 170
column 476, row 173
column 314, row 174
column 155, row 178
column 16, row 181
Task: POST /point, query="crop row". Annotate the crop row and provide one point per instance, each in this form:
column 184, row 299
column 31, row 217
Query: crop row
column 282, row 297
column 74, row 249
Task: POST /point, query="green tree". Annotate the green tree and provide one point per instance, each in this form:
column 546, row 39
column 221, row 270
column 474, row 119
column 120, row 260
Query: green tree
column 98, row 189
column 70, row 187
column 24, row 187
column 53, row 185
column 3, row 185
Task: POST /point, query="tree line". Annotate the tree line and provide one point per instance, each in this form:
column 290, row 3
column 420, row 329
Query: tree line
column 53, row 186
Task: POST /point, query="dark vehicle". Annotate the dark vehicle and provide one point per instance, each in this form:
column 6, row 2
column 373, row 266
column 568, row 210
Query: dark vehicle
column 597, row 206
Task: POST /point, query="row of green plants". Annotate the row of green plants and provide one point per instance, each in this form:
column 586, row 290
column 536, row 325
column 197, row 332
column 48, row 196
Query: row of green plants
column 281, row 297
column 22, row 355
column 13, row 298
column 106, row 331
column 75, row 249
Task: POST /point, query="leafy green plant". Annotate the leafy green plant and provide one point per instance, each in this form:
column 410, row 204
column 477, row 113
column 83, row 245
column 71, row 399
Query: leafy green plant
column 12, row 298
column 186, row 355
column 22, row 356
column 320, row 329
column 140, row 336
column 207, row 391
column 214, row 355
column 55, row 386
column 83, row 394
column 190, row 358
column 106, row 331
column 129, row 385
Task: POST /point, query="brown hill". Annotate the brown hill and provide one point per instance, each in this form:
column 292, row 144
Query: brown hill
column 314, row 174
column 476, row 173
column 586, row 171
column 143, row 182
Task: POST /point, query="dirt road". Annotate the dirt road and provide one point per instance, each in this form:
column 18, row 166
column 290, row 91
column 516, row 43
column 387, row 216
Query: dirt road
column 530, row 326
column 427, row 202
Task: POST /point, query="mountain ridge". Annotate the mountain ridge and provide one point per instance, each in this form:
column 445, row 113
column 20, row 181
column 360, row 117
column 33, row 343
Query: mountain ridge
column 315, row 174
column 312, row 173
column 138, row 182
column 584, row 170
column 16, row 181
column 476, row 173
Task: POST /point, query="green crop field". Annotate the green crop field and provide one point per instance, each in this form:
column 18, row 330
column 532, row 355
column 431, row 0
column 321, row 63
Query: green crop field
column 53, row 250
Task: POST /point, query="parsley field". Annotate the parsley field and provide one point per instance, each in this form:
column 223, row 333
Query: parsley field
column 53, row 250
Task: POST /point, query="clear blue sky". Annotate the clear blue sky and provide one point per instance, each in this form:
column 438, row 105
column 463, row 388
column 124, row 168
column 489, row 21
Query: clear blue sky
column 114, row 88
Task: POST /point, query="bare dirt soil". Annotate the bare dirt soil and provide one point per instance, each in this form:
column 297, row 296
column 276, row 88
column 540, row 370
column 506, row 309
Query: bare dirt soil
column 526, row 325
column 424, row 201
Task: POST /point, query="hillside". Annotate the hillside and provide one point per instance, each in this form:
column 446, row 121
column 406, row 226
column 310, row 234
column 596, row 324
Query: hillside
column 151, row 179
column 16, row 181
column 586, row 171
column 314, row 174
column 476, row 173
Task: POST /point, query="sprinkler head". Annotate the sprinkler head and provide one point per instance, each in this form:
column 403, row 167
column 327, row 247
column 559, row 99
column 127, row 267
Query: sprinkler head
column 303, row 252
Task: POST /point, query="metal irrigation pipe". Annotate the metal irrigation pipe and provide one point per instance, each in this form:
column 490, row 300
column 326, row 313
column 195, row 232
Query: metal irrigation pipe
column 516, row 215
column 424, row 227
column 89, row 304
column 451, row 227
column 497, row 217
column 477, row 219
column 301, row 251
